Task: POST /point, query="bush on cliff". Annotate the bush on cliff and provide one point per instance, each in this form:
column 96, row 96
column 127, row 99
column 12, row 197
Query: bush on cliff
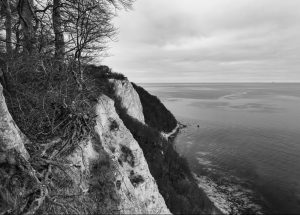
column 155, row 113
column 44, row 98
column 103, row 73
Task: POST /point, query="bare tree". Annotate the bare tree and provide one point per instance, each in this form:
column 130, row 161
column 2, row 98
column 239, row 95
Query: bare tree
column 58, row 30
column 81, row 28
column 26, row 13
column 88, row 27
column 88, row 24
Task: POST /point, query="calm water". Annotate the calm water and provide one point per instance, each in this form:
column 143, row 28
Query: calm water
column 246, row 150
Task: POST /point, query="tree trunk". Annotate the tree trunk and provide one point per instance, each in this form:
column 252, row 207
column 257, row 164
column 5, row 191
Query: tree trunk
column 26, row 13
column 58, row 30
column 8, row 27
column 10, row 135
column 18, row 40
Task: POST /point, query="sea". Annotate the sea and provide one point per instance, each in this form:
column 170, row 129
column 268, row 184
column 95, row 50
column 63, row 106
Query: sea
column 242, row 142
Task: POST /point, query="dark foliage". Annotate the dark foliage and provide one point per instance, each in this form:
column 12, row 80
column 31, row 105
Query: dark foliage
column 155, row 113
column 135, row 179
column 170, row 170
column 127, row 155
column 45, row 100
column 103, row 72
column 114, row 126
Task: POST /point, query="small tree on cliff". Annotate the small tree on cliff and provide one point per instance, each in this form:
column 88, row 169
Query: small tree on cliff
column 88, row 27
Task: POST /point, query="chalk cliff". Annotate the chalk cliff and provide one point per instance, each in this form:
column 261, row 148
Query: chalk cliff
column 123, row 166
column 107, row 172
column 128, row 97
column 136, row 189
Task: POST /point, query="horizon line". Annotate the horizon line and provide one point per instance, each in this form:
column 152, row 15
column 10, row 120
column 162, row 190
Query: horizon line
column 272, row 82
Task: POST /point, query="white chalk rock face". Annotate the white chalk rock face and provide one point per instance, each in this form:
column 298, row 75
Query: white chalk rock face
column 134, row 190
column 10, row 135
column 129, row 98
column 82, row 159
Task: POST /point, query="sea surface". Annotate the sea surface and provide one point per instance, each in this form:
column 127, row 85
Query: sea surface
column 242, row 141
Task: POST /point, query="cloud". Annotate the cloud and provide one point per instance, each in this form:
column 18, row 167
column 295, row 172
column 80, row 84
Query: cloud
column 208, row 41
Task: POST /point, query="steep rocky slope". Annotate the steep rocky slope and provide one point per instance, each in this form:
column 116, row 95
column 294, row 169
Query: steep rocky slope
column 135, row 185
column 105, row 173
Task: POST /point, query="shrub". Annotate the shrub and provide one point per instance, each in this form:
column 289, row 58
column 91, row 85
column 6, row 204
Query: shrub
column 155, row 113
column 104, row 72
column 46, row 100
column 135, row 179
column 127, row 155
column 113, row 126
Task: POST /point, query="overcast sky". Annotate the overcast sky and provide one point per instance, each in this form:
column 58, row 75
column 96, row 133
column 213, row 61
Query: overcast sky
column 208, row 41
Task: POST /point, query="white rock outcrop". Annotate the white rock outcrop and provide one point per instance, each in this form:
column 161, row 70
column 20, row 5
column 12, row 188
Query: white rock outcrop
column 10, row 135
column 129, row 98
column 111, row 170
column 135, row 190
